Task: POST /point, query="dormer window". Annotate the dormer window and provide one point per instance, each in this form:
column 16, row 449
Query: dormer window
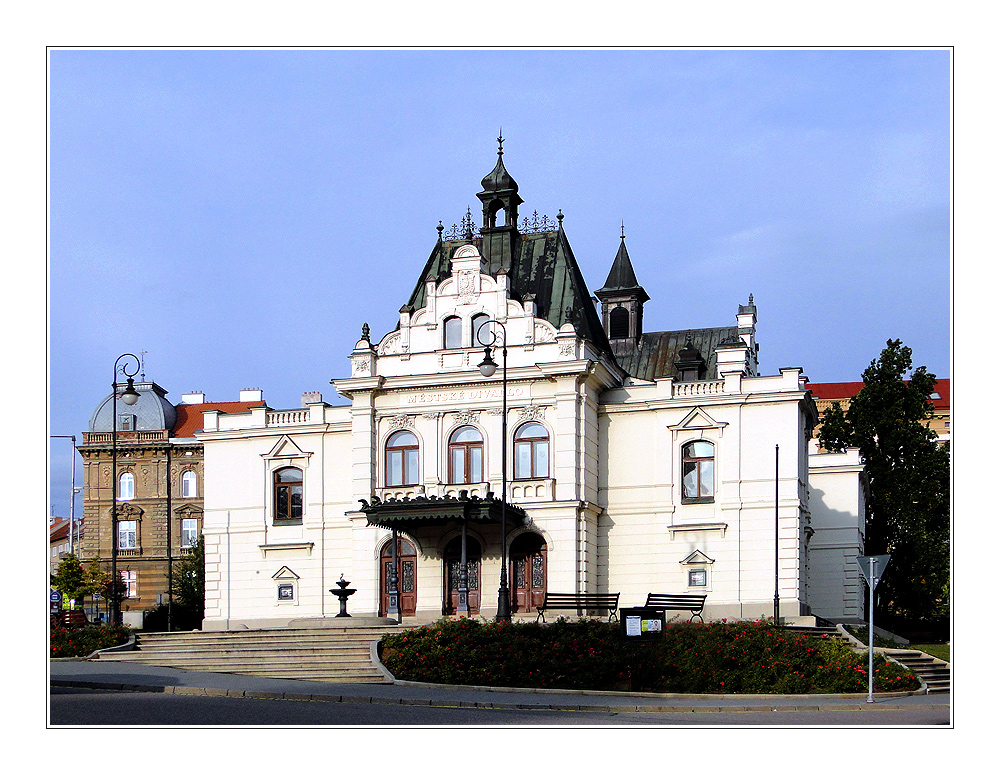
column 481, row 335
column 453, row 333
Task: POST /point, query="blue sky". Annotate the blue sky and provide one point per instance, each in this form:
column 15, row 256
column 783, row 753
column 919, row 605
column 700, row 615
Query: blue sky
column 239, row 215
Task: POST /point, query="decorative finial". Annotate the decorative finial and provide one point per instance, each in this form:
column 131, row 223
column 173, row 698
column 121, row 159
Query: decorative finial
column 623, row 229
column 500, row 140
column 559, row 218
column 440, row 228
column 751, row 298
column 142, row 364
column 365, row 332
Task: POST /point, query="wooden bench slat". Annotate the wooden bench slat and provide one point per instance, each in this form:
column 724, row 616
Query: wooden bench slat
column 667, row 602
column 579, row 601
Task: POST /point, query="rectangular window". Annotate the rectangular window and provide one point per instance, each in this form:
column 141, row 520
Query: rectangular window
column 189, row 533
column 698, row 578
column 286, row 592
column 458, row 466
column 476, row 457
column 126, row 534
column 189, row 485
column 131, row 583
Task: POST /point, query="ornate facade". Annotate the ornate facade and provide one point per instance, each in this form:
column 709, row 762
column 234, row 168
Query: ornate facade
column 635, row 461
column 160, row 490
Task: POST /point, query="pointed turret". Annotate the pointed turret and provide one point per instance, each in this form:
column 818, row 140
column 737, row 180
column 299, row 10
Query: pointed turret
column 621, row 299
column 499, row 194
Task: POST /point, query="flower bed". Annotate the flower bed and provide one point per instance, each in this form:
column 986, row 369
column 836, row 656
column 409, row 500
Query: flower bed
column 82, row 641
column 718, row 657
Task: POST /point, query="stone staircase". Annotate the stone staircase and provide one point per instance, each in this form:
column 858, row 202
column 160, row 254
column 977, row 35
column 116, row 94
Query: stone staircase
column 340, row 655
column 934, row 672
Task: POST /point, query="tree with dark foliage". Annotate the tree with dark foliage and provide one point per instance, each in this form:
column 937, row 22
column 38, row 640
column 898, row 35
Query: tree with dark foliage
column 909, row 514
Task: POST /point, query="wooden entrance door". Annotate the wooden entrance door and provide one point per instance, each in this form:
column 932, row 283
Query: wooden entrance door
column 406, row 556
column 452, row 569
column 527, row 572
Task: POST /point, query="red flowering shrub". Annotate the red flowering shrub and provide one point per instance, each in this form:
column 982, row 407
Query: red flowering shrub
column 719, row 657
column 80, row 642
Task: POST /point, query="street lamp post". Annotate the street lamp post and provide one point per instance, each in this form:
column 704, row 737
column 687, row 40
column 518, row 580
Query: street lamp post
column 488, row 368
column 129, row 396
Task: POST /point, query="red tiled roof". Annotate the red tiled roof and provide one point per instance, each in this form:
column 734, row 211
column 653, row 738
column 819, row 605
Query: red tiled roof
column 59, row 530
column 189, row 416
column 844, row 390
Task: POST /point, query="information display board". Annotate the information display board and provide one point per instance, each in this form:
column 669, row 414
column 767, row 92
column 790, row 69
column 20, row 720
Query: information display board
column 641, row 623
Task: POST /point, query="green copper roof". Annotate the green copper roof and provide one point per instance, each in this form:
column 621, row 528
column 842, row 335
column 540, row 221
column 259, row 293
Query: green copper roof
column 542, row 265
column 657, row 352
column 621, row 279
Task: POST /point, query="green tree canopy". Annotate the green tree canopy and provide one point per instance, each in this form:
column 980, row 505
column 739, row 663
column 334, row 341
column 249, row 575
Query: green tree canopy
column 189, row 580
column 909, row 473
column 71, row 579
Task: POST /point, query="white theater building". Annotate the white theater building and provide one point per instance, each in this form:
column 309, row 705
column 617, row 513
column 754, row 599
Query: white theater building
column 636, row 462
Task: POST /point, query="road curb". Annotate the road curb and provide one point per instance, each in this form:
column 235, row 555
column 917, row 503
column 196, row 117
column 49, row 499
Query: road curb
column 595, row 708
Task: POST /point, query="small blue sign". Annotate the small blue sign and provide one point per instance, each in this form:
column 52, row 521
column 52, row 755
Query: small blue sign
column 54, row 597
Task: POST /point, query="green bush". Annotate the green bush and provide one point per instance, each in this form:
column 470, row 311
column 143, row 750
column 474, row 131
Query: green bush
column 718, row 657
column 80, row 642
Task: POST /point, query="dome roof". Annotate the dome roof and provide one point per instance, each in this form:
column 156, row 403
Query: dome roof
column 153, row 412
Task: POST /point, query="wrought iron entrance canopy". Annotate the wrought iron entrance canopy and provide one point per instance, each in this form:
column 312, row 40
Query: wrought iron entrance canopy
column 407, row 513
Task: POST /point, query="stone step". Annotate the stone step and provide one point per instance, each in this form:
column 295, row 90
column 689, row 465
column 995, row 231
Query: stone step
column 284, row 648
column 321, row 654
column 242, row 657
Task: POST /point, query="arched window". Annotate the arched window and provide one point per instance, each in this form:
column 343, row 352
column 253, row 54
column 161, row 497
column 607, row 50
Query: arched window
column 189, row 484
column 401, row 459
column 287, row 495
column 618, row 323
column 480, row 331
column 465, row 456
column 698, row 472
column 126, row 487
column 531, row 451
column 453, row 333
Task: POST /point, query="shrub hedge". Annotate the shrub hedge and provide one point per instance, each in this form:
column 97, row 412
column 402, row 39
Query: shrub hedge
column 739, row 657
column 82, row 641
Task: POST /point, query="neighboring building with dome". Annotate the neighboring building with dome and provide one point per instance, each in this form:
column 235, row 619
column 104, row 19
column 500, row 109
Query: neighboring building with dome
column 636, row 461
column 160, row 487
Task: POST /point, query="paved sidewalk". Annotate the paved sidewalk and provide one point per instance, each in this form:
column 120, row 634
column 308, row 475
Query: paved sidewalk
column 138, row 677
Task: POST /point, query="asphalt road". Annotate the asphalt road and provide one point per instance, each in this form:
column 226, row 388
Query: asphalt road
column 82, row 707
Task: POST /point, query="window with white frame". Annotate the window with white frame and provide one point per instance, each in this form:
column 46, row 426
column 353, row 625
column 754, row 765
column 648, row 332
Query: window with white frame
column 127, row 534
column 481, row 334
column 126, row 487
column 189, row 484
column 189, row 533
column 453, row 333
column 131, row 582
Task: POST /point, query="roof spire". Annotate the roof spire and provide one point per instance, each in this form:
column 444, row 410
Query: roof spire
column 623, row 230
column 500, row 141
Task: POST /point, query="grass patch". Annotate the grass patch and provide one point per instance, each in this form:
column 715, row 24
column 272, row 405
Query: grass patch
column 939, row 650
column 718, row 657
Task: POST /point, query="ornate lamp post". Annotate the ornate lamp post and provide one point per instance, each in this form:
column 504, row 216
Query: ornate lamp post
column 488, row 368
column 129, row 396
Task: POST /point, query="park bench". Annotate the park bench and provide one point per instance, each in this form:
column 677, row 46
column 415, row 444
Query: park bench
column 580, row 602
column 662, row 602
